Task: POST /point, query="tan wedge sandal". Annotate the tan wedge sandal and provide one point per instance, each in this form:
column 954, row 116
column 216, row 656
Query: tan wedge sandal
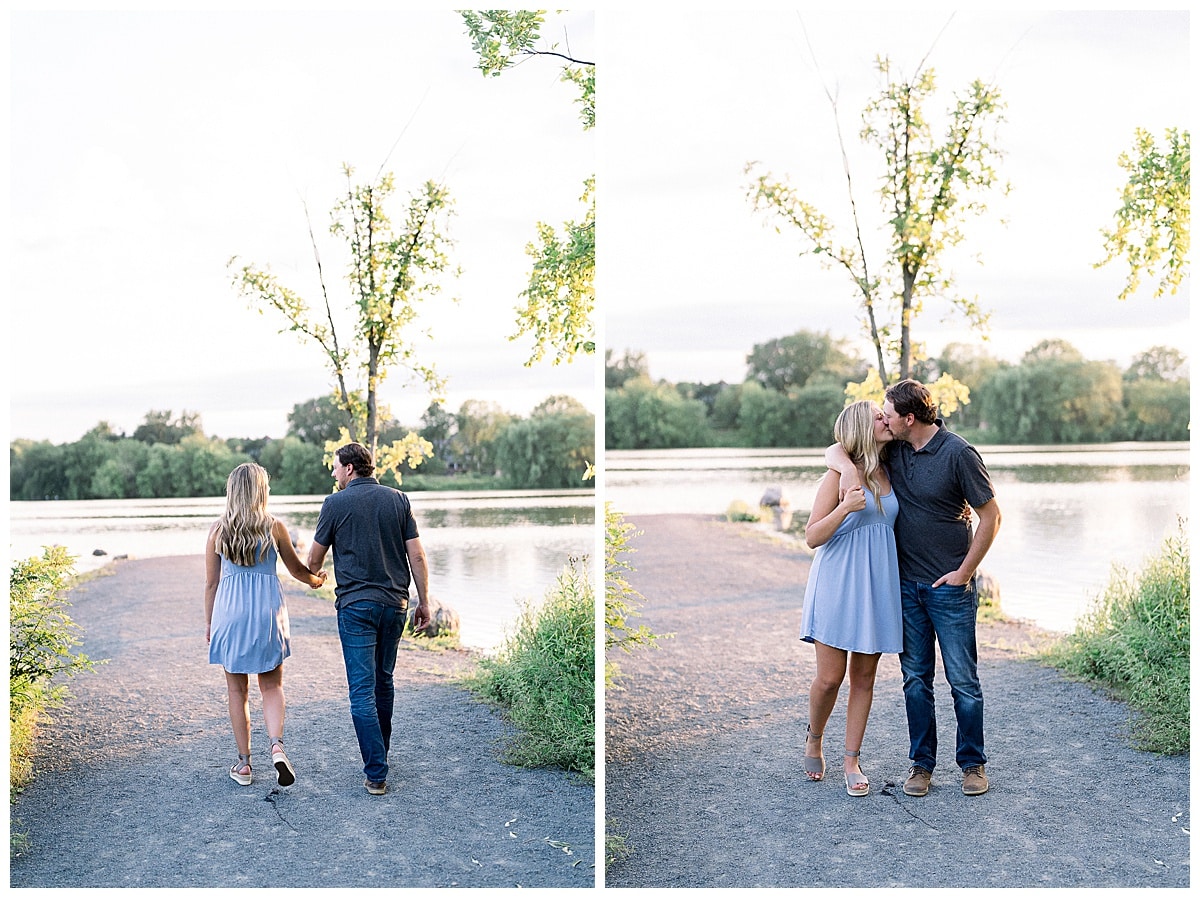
column 857, row 785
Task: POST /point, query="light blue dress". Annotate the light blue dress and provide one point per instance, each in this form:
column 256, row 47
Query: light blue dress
column 249, row 632
column 852, row 600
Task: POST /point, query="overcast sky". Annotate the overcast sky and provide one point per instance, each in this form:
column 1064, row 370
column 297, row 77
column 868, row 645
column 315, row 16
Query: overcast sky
column 147, row 149
column 694, row 278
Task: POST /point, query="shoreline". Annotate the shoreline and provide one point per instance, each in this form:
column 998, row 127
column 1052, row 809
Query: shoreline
column 1011, row 634
column 291, row 589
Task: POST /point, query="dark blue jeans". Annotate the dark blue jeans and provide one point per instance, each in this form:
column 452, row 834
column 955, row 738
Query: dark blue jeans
column 370, row 634
column 947, row 614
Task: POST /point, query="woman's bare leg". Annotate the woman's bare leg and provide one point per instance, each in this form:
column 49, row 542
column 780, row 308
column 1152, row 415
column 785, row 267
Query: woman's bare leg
column 858, row 704
column 822, row 695
column 270, row 685
column 238, row 688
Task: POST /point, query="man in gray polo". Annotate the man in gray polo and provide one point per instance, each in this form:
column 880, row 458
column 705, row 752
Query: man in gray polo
column 938, row 478
column 377, row 556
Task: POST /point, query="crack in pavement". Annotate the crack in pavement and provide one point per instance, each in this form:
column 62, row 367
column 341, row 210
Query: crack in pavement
column 270, row 798
column 889, row 790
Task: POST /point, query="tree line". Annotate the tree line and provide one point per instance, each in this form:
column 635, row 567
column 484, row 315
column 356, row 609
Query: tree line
column 795, row 386
column 169, row 456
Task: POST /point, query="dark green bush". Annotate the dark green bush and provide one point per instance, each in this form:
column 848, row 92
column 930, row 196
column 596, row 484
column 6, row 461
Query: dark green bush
column 1136, row 641
column 544, row 677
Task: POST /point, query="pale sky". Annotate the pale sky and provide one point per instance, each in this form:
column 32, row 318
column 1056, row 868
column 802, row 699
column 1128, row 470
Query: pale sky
column 147, row 148
column 694, row 278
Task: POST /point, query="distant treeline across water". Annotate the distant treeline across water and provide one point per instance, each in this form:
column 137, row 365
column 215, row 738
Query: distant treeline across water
column 480, row 447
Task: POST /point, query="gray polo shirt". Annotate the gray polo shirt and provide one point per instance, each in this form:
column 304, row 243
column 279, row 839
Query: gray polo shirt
column 937, row 487
column 367, row 525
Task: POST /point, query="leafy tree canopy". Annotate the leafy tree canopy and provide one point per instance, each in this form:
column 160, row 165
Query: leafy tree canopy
column 793, row 361
column 1158, row 363
column 391, row 272
column 1152, row 233
column 930, row 185
column 559, row 301
column 160, row 427
column 617, row 372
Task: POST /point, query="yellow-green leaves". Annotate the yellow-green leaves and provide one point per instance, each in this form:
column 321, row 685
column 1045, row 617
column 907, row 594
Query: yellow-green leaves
column 561, row 294
column 1153, row 224
column 930, row 185
column 389, row 273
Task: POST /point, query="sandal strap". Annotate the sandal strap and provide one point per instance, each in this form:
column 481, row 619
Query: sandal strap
column 853, row 754
column 276, row 740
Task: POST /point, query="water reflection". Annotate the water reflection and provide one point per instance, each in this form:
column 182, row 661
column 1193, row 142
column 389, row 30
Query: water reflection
column 1070, row 513
column 1089, row 473
column 488, row 552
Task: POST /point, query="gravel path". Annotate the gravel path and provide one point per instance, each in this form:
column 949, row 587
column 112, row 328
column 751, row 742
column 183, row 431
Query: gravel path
column 704, row 744
column 132, row 789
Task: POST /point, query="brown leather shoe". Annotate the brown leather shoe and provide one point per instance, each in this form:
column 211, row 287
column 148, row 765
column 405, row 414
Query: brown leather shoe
column 917, row 783
column 975, row 781
column 375, row 788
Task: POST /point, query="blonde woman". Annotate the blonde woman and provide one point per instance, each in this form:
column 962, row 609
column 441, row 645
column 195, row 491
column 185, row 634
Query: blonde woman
column 852, row 600
column 247, row 620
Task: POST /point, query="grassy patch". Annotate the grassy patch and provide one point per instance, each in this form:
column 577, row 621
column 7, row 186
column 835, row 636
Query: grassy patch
column 414, row 483
column 1136, row 642
column 739, row 511
column 543, row 677
column 22, row 738
column 615, row 847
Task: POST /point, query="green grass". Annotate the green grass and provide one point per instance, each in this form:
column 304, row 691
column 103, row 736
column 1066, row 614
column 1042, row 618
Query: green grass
column 417, row 482
column 543, row 677
column 1136, row 642
column 739, row 512
column 616, row 848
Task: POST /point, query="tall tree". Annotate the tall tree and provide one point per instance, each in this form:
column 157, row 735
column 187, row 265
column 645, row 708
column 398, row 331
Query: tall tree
column 159, row 427
column 792, row 361
column 1153, row 225
column 620, row 371
column 1158, row 363
column 478, row 427
column 929, row 187
column 561, row 296
column 391, row 273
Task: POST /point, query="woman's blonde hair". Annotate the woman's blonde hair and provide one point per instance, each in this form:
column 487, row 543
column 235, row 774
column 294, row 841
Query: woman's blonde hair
column 244, row 530
column 854, row 429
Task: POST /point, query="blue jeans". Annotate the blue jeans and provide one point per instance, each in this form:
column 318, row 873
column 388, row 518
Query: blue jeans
column 370, row 634
column 947, row 613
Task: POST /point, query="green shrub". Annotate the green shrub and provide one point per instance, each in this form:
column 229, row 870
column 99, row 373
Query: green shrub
column 1136, row 641
column 544, row 677
column 620, row 599
column 40, row 639
column 41, row 635
column 739, row 511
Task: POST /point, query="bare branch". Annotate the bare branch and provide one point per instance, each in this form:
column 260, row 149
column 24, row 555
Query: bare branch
column 559, row 55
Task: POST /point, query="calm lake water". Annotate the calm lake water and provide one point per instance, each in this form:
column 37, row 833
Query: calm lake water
column 1069, row 513
column 488, row 551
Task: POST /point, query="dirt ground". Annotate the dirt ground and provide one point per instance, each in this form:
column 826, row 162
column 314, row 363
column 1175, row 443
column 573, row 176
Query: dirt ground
column 704, row 783
column 132, row 787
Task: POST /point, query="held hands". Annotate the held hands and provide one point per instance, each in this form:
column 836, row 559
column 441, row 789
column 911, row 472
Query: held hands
column 320, row 578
